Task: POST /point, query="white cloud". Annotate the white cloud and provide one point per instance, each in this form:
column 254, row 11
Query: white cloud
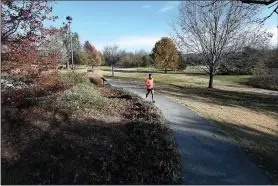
column 274, row 39
column 146, row 6
column 166, row 8
column 169, row 5
column 133, row 43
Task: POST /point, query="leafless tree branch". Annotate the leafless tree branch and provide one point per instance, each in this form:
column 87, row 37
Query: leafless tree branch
column 262, row 2
column 215, row 29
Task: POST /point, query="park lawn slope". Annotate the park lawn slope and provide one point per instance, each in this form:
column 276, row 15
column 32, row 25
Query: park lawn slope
column 87, row 135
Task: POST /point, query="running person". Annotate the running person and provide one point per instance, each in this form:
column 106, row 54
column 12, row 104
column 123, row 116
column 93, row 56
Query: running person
column 149, row 86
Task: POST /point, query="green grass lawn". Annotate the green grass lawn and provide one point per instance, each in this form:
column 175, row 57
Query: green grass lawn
column 194, row 71
column 103, row 68
column 241, row 79
column 184, row 79
column 189, row 69
column 191, row 75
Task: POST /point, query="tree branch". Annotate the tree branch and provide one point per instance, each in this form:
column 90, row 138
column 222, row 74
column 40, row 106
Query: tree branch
column 262, row 2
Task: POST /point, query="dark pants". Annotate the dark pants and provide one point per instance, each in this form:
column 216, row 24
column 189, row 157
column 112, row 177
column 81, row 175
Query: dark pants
column 149, row 91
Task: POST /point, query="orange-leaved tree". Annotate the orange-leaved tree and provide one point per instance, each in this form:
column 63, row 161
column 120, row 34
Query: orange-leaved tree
column 93, row 56
column 22, row 36
column 165, row 54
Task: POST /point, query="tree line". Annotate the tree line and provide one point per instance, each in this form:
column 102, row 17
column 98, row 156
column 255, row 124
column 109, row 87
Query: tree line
column 83, row 54
column 220, row 36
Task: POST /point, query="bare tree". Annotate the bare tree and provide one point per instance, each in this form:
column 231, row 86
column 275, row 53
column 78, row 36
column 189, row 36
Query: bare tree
column 214, row 29
column 112, row 55
column 271, row 3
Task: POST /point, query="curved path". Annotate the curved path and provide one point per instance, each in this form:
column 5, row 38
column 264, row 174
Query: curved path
column 207, row 156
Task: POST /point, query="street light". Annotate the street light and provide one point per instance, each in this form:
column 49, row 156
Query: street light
column 69, row 19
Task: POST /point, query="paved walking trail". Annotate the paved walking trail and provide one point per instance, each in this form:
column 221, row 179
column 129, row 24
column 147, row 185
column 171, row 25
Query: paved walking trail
column 207, row 156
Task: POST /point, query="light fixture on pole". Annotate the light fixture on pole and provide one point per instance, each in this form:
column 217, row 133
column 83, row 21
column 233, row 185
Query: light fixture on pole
column 69, row 21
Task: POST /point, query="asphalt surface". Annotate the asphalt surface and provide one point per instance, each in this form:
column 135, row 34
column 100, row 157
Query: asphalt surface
column 207, row 156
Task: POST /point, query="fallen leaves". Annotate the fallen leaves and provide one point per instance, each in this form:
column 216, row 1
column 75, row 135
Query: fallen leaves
column 137, row 149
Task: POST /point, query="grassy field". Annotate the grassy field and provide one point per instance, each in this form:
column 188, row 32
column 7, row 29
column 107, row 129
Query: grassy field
column 249, row 116
column 240, row 79
column 189, row 69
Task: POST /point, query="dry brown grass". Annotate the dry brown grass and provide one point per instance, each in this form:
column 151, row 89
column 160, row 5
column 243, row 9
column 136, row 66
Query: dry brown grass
column 249, row 116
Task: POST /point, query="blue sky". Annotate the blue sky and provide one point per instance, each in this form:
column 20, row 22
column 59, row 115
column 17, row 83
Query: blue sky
column 133, row 25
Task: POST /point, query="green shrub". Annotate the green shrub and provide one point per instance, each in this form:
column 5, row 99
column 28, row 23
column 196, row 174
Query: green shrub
column 80, row 97
column 83, row 96
column 265, row 78
column 75, row 78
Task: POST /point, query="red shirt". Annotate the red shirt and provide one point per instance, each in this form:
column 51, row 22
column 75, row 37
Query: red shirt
column 149, row 83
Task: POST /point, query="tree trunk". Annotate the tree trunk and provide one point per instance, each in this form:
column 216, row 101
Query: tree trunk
column 112, row 70
column 165, row 70
column 210, row 79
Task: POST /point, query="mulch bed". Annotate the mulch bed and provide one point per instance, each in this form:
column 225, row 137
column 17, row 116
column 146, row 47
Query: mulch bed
column 42, row 147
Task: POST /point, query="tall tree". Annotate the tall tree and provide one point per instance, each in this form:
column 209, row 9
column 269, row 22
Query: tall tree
column 112, row 55
column 54, row 43
column 76, row 45
column 146, row 60
column 138, row 57
column 103, row 60
column 65, row 37
column 93, row 56
column 24, row 19
column 271, row 3
column 242, row 62
column 23, row 35
column 215, row 30
column 80, row 58
column 165, row 54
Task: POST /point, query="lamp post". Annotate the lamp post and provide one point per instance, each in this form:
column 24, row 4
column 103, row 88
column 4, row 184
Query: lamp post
column 69, row 19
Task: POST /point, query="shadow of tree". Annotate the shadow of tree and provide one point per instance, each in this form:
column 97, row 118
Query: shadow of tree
column 260, row 147
column 89, row 151
column 254, row 101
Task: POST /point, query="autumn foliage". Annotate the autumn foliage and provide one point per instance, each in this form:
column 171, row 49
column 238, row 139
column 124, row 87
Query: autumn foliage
column 22, row 36
column 165, row 54
column 47, row 86
column 28, row 16
column 93, row 56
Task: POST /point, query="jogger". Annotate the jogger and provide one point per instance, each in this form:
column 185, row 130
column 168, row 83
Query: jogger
column 149, row 85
